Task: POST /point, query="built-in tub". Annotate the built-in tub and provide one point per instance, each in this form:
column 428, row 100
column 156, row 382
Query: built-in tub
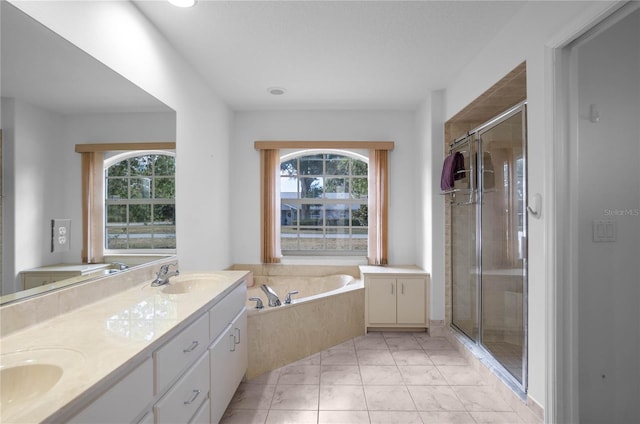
column 328, row 310
column 308, row 288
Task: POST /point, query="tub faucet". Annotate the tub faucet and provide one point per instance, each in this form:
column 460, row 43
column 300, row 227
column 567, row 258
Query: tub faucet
column 271, row 295
column 162, row 277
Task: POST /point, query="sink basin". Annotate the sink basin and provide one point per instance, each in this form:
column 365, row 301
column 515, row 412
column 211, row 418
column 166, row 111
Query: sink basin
column 26, row 382
column 25, row 376
column 191, row 283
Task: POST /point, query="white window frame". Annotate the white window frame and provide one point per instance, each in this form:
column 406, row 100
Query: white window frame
column 109, row 162
column 352, row 154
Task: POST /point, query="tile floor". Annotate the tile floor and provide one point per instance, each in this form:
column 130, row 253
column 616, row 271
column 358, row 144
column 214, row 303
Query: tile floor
column 393, row 378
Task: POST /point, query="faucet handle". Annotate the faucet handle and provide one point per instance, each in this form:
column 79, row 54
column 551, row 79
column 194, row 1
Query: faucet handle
column 258, row 301
column 287, row 299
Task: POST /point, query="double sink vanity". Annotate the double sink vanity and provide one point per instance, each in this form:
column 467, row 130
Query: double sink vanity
column 174, row 353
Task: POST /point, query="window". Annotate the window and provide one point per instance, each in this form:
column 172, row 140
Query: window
column 324, row 218
column 324, row 204
column 139, row 202
column 136, row 191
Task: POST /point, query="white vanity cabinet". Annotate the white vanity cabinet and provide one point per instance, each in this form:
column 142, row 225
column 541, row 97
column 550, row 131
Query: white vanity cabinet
column 189, row 379
column 228, row 354
column 396, row 297
column 124, row 402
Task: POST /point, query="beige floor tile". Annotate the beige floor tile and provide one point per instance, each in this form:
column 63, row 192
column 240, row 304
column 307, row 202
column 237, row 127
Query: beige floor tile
column 270, row 377
column 381, row 375
column 342, row 398
column 421, row 375
column 340, row 374
column 345, row 345
column 343, row 417
column 434, row 343
column 375, row 357
column 435, row 398
column 253, row 396
column 292, row 417
column 496, row 418
column 481, row 398
column 244, row 416
column 395, row 417
column 295, row 397
column 447, row 417
column 339, row 357
column 461, row 375
column 388, row 398
column 447, row 357
column 411, row 357
column 402, row 342
column 300, row 374
column 370, row 342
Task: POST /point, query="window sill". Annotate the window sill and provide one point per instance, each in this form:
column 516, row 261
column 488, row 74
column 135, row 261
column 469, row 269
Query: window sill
column 323, row 260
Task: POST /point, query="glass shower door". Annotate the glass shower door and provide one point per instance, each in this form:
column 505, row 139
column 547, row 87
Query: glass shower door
column 503, row 231
column 464, row 289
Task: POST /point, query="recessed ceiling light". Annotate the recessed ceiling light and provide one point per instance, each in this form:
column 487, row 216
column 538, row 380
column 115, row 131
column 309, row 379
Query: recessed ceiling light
column 183, row 3
column 276, row 91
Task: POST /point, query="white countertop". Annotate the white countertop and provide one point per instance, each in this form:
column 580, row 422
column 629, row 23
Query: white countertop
column 106, row 339
column 391, row 269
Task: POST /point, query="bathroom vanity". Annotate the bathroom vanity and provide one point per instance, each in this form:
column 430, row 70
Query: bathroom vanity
column 168, row 354
column 395, row 297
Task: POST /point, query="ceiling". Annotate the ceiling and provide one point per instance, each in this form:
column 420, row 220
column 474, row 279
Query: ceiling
column 329, row 54
column 325, row 54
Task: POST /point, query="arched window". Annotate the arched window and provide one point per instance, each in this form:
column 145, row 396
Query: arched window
column 139, row 202
column 324, row 203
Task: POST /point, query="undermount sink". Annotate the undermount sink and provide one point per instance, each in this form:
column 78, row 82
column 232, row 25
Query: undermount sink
column 25, row 376
column 191, row 283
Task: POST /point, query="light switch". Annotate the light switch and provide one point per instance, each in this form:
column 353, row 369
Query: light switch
column 60, row 235
column 604, row 230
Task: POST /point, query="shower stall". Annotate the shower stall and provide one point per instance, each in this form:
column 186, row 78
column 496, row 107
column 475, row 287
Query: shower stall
column 489, row 241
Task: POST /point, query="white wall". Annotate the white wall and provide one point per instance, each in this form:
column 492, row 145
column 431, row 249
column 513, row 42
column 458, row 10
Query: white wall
column 397, row 126
column 609, row 272
column 30, row 200
column 45, row 175
column 118, row 35
column 430, row 250
column 526, row 37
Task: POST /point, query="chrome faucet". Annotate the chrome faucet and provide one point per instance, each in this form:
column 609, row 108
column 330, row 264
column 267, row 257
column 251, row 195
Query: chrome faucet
column 271, row 295
column 162, row 277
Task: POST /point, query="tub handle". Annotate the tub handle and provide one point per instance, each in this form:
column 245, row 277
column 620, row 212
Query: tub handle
column 258, row 301
column 287, row 299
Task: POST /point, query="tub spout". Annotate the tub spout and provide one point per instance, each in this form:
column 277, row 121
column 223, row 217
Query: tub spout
column 271, row 295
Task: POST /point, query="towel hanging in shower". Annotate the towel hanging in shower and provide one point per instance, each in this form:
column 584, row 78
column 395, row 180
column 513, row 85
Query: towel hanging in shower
column 452, row 170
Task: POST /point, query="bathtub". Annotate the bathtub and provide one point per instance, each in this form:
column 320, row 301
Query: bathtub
column 328, row 310
column 308, row 288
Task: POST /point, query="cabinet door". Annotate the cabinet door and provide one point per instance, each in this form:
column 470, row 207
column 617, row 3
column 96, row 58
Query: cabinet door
column 241, row 354
column 222, row 373
column 411, row 301
column 381, row 300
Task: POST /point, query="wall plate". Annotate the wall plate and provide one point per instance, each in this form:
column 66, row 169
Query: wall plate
column 60, row 235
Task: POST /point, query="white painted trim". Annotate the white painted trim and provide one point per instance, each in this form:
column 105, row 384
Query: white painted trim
column 561, row 394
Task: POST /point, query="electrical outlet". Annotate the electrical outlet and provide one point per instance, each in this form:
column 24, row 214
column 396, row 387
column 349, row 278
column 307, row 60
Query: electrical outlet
column 604, row 230
column 60, row 235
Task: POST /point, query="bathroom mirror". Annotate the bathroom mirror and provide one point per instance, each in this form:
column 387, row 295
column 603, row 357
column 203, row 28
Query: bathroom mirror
column 54, row 96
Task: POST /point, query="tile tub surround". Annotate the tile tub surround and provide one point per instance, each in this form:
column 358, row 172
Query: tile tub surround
column 112, row 336
column 278, row 336
column 377, row 378
column 30, row 311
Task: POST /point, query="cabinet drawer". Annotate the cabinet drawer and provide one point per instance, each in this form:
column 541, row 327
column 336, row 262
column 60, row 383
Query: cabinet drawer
column 225, row 311
column 185, row 397
column 124, row 401
column 203, row 414
column 175, row 356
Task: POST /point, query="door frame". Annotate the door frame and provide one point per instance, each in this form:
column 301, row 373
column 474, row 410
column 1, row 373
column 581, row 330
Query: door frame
column 561, row 394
